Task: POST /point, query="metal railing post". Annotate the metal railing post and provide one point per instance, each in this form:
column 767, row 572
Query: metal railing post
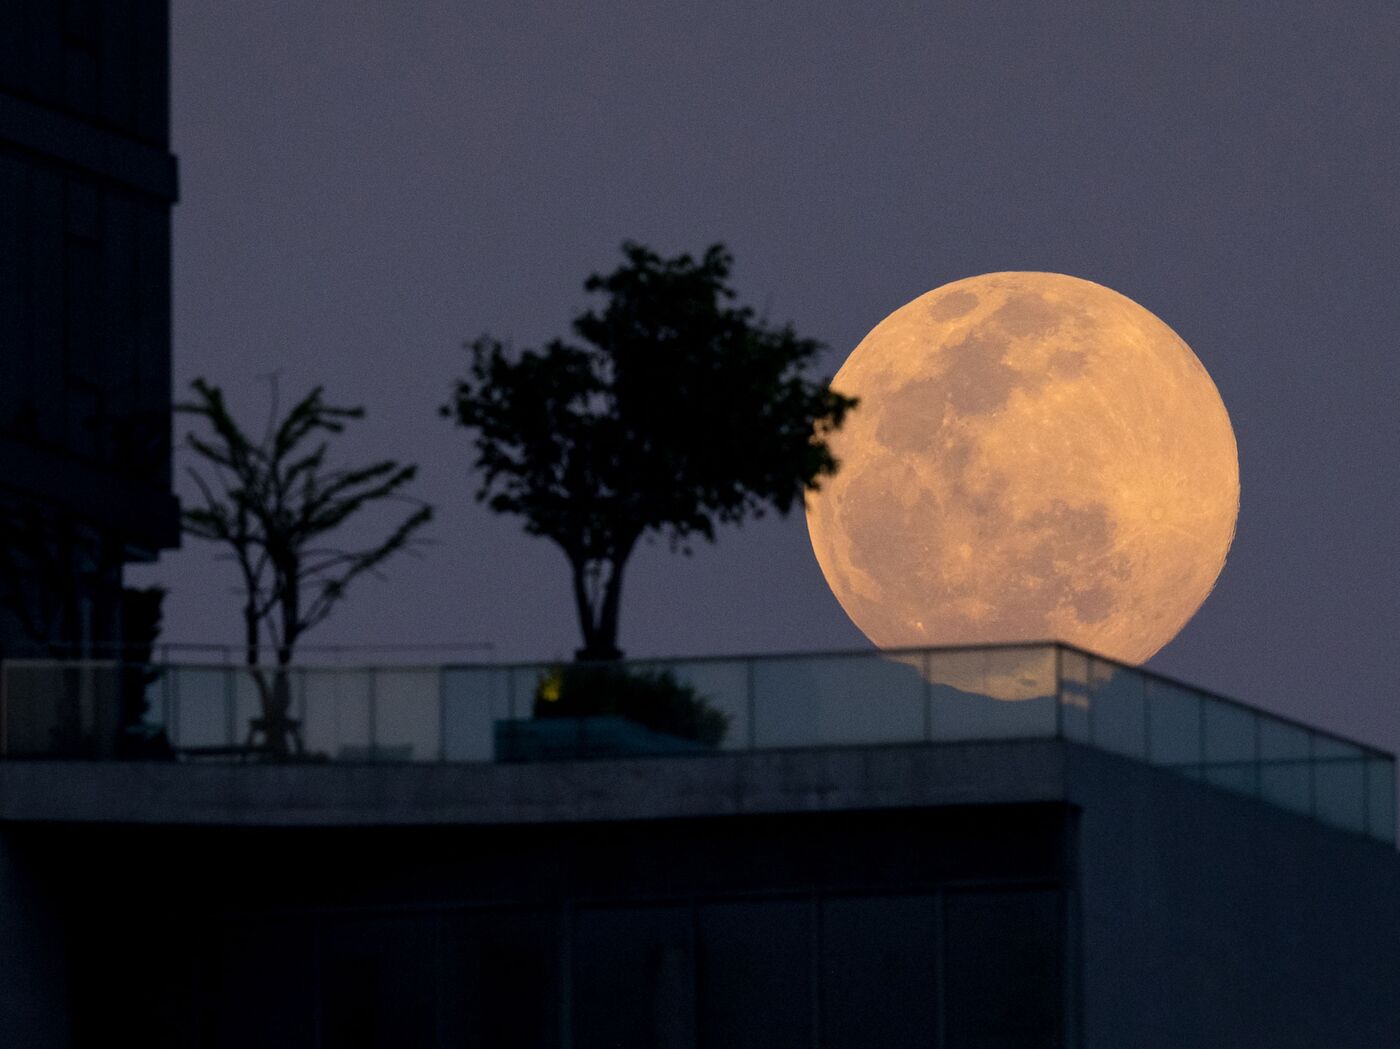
column 1059, row 691
column 442, row 713
column 373, row 715
column 749, row 694
column 928, row 696
column 230, row 709
column 173, row 721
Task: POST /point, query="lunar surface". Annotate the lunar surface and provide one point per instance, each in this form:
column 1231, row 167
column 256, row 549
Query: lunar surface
column 1034, row 457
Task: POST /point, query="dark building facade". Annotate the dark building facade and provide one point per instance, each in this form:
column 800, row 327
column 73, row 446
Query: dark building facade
column 1033, row 894
column 87, row 182
column 870, row 855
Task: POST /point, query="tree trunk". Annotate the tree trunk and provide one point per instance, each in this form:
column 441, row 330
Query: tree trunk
column 599, row 622
column 606, row 630
column 250, row 632
column 279, row 731
column 278, row 727
column 582, row 605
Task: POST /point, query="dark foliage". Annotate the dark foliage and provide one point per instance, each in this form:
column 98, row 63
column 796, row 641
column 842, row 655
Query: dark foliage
column 654, row 699
column 674, row 412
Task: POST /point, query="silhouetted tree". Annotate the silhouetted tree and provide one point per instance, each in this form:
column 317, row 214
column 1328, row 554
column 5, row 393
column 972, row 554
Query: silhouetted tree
column 275, row 504
column 676, row 412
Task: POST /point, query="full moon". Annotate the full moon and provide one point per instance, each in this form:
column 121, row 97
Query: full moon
column 1034, row 457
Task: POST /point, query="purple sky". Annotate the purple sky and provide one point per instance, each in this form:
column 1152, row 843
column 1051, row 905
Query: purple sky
column 364, row 185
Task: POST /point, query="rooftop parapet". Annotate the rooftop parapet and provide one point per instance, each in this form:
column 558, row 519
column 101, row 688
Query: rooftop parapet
column 679, row 708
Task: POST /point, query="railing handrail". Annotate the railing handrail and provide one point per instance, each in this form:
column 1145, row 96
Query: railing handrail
column 758, row 657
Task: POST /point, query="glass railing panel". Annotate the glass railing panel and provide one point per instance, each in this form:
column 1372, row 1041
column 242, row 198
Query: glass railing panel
column 619, row 710
column 524, row 685
column 1174, row 727
column 473, row 700
column 1117, row 709
column 988, row 693
column 407, row 714
column 201, row 708
column 723, row 686
column 36, row 707
column 96, row 709
column 1074, row 695
column 336, row 720
column 1229, row 744
column 1285, row 765
column 696, row 707
column 1380, row 798
column 1339, row 779
column 835, row 700
column 155, row 709
column 248, row 690
column 515, row 734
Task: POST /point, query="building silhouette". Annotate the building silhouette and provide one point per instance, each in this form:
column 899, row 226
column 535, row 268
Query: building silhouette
column 1023, row 846
column 877, row 852
column 86, row 187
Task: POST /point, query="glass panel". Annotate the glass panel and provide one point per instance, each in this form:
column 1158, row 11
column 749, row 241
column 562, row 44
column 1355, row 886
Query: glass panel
column 1074, row 695
column 247, row 703
column 407, row 714
column 1380, row 798
column 992, row 694
column 336, row 718
column 500, row 980
column 516, row 736
column 1239, row 777
column 1117, row 709
column 1285, row 765
column 1325, row 748
column 36, row 706
column 156, row 709
column 1229, row 732
column 879, row 972
column 633, row 977
column 1230, row 747
column 1003, row 979
column 1287, row 784
column 521, row 688
column 200, row 707
column 377, row 986
column 1173, row 725
column 755, row 988
column 724, row 685
column 1339, row 775
column 632, row 709
column 829, row 700
column 720, row 688
column 472, row 698
column 1280, row 741
column 270, row 960
column 1021, row 675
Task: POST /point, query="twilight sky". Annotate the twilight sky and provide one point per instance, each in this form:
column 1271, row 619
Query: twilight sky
column 365, row 185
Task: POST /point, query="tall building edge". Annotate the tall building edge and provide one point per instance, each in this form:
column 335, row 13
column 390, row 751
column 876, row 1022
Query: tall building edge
column 87, row 183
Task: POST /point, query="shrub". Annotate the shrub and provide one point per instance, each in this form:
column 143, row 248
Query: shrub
column 654, row 699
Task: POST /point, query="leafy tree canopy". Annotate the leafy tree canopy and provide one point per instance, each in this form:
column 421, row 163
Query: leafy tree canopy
column 671, row 411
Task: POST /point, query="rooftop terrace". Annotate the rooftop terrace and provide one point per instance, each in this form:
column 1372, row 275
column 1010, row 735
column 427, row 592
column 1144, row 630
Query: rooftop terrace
column 478, row 714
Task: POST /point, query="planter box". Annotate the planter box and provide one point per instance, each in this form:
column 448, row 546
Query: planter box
column 603, row 736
